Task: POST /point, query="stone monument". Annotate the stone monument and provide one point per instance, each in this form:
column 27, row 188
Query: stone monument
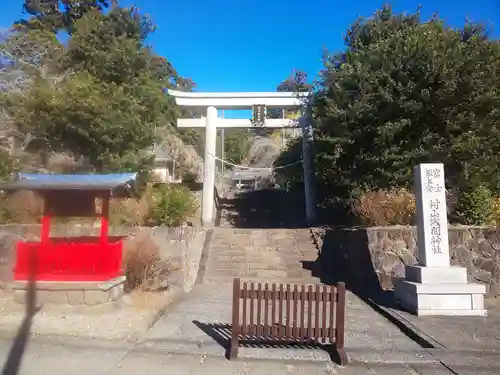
column 434, row 287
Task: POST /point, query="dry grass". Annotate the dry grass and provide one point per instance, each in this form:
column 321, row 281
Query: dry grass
column 63, row 163
column 21, row 207
column 143, row 265
column 385, row 207
column 129, row 211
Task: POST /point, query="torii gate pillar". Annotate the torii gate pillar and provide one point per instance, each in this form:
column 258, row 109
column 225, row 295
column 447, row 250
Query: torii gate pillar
column 245, row 100
column 207, row 202
column 307, row 165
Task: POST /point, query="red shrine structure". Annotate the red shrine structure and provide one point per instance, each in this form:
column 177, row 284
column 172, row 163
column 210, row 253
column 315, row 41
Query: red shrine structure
column 72, row 259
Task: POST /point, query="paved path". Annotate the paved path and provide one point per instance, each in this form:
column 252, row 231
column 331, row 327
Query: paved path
column 177, row 345
column 76, row 357
column 457, row 332
column 193, row 326
column 468, row 345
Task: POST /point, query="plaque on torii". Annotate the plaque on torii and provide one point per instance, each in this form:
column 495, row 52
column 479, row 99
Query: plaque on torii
column 259, row 114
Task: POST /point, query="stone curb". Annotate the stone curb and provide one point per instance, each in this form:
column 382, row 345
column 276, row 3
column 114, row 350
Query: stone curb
column 409, row 329
column 315, row 239
column 202, row 268
column 356, row 355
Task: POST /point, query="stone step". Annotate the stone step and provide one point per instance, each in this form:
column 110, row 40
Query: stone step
column 235, row 273
column 254, row 267
column 214, row 280
column 257, row 274
column 245, row 268
column 274, row 255
column 257, row 267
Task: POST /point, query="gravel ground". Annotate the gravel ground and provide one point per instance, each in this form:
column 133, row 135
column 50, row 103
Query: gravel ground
column 128, row 320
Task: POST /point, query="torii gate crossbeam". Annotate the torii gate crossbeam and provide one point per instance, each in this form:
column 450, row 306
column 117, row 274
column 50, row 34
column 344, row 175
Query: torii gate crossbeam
column 212, row 101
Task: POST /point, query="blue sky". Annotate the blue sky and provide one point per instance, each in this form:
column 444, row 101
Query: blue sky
column 243, row 45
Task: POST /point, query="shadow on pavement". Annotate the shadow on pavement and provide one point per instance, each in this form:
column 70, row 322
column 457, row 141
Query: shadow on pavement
column 12, row 365
column 348, row 259
column 221, row 333
column 266, row 208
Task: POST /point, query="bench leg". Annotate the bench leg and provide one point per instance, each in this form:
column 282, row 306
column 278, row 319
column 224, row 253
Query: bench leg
column 342, row 356
column 233, row 351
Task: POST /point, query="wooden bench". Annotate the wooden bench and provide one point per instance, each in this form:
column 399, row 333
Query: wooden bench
column 284, row 313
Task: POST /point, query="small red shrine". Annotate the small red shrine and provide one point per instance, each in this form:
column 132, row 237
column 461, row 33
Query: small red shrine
column 72, row 259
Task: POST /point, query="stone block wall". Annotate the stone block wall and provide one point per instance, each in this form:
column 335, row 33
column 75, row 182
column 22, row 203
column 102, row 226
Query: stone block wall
column 75, row 293
column 379, row 254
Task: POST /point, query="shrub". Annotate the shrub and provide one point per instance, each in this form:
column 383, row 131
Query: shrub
column 7, row 165
column 384, row 207
column 130, row 212
column 142, row 263
column 474, row 206
column 188, row 176
column 495, row 214
column 23, row 207
column 170, row 206
column 64, row 163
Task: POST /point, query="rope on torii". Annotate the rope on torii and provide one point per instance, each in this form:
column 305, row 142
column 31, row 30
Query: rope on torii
column 254, row 168
column 239, row 174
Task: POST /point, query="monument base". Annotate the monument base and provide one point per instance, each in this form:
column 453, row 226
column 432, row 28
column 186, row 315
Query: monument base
column 440, row 291
column 70, row 292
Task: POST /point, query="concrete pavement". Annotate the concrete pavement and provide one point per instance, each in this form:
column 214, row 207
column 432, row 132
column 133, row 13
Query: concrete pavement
column 85, row 357
column 180, row 343
column 196, row 325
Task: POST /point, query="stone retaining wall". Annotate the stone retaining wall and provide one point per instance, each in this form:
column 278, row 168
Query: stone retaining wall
column 378, row 255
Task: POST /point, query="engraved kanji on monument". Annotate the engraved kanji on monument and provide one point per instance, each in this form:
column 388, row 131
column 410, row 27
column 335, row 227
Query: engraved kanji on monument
column 432, row 220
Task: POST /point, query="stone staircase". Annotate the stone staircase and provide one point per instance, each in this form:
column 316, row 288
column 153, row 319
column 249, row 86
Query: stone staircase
column 272, row 255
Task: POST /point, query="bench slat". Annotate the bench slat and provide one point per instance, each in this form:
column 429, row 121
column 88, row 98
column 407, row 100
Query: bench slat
column 324, row 306
column 288, row 333
column 293, row 295
column 317, row 327
column 300, row 338
column 310, row 331
column 259, row 310
column 244, row 330
column 302, row 312
column 280, row 314
column 295, row 312
column 252, row 300
column 266, row 329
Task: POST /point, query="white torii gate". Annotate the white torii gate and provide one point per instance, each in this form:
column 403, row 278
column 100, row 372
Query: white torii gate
column 212, row 101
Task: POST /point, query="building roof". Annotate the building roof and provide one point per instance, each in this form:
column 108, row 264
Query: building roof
column 118, row 184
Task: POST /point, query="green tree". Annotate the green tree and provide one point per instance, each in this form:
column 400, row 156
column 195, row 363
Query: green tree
column 100, row 121
column 236, row 145
column 192, row 137
column 404, row 92
column 295, row 82
column 108, row 97
column 56, row 15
